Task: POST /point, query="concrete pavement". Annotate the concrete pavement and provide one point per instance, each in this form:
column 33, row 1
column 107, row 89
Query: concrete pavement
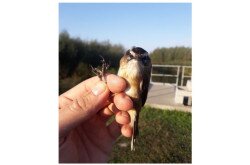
column 163, row 96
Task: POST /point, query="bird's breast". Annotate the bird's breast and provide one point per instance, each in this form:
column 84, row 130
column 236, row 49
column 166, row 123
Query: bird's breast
column 131, row 72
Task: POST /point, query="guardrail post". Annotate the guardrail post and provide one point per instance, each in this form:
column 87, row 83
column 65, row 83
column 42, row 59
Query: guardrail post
column 151, row 75
column 177, row 78
column 182, row 75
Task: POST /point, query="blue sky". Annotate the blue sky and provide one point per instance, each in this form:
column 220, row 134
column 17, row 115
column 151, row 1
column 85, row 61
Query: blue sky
column 148, row 25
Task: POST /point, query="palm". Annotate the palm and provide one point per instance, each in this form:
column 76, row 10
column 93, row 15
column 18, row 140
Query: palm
column 89, row 142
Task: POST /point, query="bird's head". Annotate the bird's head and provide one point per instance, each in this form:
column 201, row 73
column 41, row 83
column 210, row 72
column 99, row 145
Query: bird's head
column 136, row 55
column 134, row 62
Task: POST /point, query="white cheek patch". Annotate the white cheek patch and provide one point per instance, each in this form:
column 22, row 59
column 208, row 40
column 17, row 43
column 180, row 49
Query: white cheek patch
column 131, row 52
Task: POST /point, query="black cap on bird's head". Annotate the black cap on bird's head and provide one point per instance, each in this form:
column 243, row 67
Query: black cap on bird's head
column 138, row 50
column 139, row 54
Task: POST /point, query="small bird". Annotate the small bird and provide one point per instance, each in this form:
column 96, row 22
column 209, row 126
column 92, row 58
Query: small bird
column 135, row 68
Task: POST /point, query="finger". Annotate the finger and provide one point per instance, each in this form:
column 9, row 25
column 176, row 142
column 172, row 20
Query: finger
column 113, row 108
column 81, row 88
column 122, row 117
column 105, row 113
column 114, row 130
column 82, row 108
column 126, row 130
column 123, row 102
column 115, row 83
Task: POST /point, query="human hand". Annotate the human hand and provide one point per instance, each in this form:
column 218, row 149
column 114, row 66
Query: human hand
column 84, row 110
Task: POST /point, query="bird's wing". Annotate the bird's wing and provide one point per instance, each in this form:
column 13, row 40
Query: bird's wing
column 145, row 83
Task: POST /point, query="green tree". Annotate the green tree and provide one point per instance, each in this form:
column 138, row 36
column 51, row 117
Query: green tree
column 77, row 55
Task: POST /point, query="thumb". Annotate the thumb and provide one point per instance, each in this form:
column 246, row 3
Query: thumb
column 83, row 108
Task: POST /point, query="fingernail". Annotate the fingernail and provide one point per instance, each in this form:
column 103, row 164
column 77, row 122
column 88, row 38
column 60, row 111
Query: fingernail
column 99, row 88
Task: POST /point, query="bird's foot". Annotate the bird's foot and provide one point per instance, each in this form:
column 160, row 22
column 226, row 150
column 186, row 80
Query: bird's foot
column 101, row 72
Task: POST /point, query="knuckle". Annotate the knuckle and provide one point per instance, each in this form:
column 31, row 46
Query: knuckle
column 75, row 106
column 80, row 104
column 83, row 102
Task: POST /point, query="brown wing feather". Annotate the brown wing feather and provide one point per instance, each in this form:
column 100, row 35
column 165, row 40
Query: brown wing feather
column 145, row 83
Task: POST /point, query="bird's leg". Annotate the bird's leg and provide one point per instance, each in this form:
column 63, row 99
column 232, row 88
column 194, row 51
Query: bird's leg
column 97, row 72
column 101, row 73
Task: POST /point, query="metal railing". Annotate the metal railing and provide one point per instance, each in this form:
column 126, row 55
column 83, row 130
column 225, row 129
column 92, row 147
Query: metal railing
column 170, row 75
column 183, row 74
column 166, row 75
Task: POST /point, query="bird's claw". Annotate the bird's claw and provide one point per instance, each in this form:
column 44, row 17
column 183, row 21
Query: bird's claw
column 101, row 73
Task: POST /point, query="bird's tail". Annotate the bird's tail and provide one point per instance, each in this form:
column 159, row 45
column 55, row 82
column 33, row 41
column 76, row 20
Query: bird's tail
column 134, row 124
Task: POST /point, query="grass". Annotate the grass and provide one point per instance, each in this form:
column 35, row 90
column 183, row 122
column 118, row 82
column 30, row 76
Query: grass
column 164, row 137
